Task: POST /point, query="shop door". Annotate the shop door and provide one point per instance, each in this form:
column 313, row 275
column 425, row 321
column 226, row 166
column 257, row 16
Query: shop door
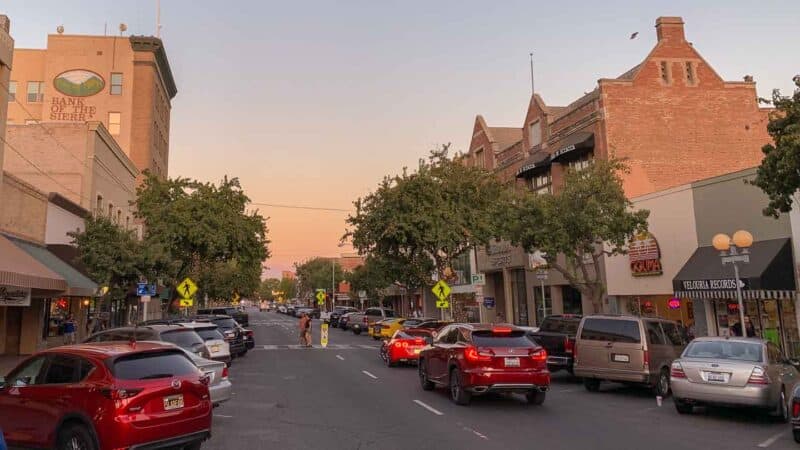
column 519, row 297
column 13, row 329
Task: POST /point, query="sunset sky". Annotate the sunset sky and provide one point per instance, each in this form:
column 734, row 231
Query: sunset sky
column 311, row 103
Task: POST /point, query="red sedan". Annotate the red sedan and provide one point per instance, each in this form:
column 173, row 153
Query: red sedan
column 475, row 359
column 107, row 395
column 405, row 346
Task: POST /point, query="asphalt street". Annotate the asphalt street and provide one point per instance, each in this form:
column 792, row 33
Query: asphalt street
column 344, row 397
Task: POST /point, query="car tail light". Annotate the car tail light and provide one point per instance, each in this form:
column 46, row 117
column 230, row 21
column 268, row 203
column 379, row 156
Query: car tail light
column 569, row 346
column 419, row 341
column 225, row 373
column 248, row 333
column 676, row 371
column 501, row 330
column 119, row 394
column 758, row 376
column 796, row 408
column 646, row 360
column 472, row 355
column 538, row 354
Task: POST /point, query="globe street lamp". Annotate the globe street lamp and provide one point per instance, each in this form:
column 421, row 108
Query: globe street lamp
column 734, row 251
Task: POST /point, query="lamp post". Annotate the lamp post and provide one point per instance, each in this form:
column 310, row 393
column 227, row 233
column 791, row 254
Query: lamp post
column 733, row 251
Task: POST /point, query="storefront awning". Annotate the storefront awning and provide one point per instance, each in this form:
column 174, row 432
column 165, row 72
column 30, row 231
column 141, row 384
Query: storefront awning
column 574, row 144
column 538, row 160
column 17, row 268
column 768, row 275
column 77, row 284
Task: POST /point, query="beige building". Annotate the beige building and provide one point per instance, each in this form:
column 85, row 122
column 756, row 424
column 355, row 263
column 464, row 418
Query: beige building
column 123, row 82
column 81, row 161
column 6, row 55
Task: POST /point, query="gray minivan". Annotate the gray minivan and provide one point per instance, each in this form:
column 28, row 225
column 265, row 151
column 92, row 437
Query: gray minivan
column 627, row 349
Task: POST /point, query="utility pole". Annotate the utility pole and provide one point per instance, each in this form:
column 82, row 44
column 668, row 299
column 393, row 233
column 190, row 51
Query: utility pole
column 533, row 91
column 158, row 18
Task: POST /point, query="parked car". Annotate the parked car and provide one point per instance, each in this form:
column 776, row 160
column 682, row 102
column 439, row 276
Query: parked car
column 384, row 329
column 344, row 320
column 231, row 330
column 282, row 309
column 405, row 346
column 475, row 359
column 414, row 322
column 238, row 314
column 337, row 313
column 434, row 325
column 557, row 335
column 359, row 322
column 249, row 338
column 219, row 387
column 185, row 338
column 106, row 395
column 218, row 348
column 796, row 413
column 627, row 349
column 290, row 310
column 733, row 372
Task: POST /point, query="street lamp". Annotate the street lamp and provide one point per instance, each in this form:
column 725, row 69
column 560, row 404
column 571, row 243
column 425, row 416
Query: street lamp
column 729, row 251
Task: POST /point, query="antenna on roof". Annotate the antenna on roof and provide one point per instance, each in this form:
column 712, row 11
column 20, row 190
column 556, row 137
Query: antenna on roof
column 158, row 18
column 533, row 91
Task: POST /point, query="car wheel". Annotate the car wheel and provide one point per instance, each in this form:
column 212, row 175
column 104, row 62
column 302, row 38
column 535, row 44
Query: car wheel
column 427, row 385
column 457, row 393
column 377, row 338
column 796, row 434
column 682, row 406
column 591, row 384
column 782, row 409
column 662, row 385
column 356, row 331
column 536, row 397
column 75, row 437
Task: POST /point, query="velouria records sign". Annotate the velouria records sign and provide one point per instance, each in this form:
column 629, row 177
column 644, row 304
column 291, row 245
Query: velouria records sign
column 14, row 296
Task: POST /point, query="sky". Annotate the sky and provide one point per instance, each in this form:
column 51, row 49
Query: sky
column 311, row 103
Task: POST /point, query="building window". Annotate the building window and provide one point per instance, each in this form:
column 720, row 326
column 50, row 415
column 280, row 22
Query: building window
column 12, row 91
column 116, row 84
column 542, row 183
column 664, row 72
column 111, row 211
column 98, row 207
column 35, row 91
column 114, row 122
column 480, row 159
column 536, row 133
column 127, row 222
column 691, row 80
column 581, row 162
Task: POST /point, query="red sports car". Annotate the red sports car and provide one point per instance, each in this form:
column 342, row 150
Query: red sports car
column 474, row 359
column 405, row 346
column 106, row 395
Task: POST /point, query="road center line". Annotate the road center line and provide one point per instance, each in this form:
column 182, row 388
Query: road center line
column 369, row 374
column 339, row 357
column 771, row 440
column 476, row 433
column 429, row 408
column 222, row 415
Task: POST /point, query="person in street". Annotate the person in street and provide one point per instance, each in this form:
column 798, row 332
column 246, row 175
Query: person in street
column 305, row 330
column 736, row 329
column 308, row 331
column 70, row 327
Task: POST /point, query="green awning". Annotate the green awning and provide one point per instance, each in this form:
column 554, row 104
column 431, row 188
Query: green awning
column 77, row 283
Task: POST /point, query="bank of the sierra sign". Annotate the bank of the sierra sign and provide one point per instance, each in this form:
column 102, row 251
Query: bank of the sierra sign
column 76, row 85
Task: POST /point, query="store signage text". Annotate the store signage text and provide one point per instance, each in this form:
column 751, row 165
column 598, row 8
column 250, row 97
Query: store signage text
column 710, row 285
column 73, row 109
column 645, row 256
column 499, row 255
column 14, row 296
column 561, row 151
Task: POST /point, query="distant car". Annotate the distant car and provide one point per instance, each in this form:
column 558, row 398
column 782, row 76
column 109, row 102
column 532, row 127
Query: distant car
column 733, row 372
column 231, row 330
column 249, row 338
column 238, row 314
column 337, row 313
column 106, row 395
column 476, row 359
column 405, row 346
column 386, row 328
column 344, row 320
column 359, row 322
column 282, row 309
column 218, row 348
column 557, row 335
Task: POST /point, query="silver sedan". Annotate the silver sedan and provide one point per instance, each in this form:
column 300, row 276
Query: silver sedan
column 733, row 372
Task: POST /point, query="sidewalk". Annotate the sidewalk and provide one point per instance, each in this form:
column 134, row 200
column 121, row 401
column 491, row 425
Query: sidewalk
column 9, row 362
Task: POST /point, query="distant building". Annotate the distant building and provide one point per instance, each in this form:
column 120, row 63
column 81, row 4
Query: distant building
column 287, row 275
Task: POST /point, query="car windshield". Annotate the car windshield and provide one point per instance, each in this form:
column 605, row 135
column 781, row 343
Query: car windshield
column 209, row 333
column 488, row 338
column 151, row 365
column 187, row 339
column 725, row 350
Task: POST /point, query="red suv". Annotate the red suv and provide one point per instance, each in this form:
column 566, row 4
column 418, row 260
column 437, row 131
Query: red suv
column 473, row 359
column 106, row 395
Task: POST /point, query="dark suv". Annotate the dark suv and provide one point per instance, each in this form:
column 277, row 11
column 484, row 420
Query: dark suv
column 240, row 316
column 234, row 334
column 338, row 312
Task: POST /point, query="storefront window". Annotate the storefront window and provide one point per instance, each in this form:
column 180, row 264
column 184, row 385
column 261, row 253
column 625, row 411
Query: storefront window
column 770, row 319
column 573, row 303
column 543, row 309
column 519, row 297
column 57, row 310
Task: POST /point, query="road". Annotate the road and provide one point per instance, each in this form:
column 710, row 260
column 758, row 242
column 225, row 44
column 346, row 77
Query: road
column 343, row 397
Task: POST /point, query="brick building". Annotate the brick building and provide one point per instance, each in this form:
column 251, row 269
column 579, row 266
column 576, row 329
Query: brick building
column 125, row 83
column 671, row 117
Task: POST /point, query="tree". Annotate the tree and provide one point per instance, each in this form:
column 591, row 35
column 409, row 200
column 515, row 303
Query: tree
column 372, row 277
column 574, row 228
column 207, row 230
column 423, row 220
column 288, row 286
column 318, row 273
column 779, row 173
column 267, row 287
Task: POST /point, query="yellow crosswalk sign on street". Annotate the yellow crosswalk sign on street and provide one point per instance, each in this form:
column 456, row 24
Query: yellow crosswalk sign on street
column 320, row 297
column 441, row 290
column 187, row 288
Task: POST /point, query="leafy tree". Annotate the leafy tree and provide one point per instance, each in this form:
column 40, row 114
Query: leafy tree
column 289, row 287
column 372, row 277
column 590, row 217
column 316, row 274
column 779, row 173
column 423, row 220
column 207, row 230
column 267, row 287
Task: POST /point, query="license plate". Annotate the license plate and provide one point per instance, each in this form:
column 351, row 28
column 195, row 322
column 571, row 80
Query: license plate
column 173, row 402
column 616, row 357
column 716, row 377
column 512, row 362
column 214, row 348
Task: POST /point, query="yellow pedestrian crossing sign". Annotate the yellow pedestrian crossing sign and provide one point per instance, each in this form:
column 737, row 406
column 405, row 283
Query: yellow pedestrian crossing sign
column 186, row 302
column 236, row 298
column 187, row 288
column 441, row 290
column 320, row 297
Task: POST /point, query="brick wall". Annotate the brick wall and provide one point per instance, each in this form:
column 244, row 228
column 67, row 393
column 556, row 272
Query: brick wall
column 24, row 212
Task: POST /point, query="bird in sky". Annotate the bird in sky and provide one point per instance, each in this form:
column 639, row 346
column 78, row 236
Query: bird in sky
column 633, row 36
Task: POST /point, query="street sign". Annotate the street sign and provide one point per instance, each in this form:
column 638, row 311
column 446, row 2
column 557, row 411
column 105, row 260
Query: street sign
column 323, row 333
column 186, row 302
column 187, row 288
column 442, row 304
column 142, row 289
column 320, row 296
column 441, row 290
column 478, row 279
column 488, row 302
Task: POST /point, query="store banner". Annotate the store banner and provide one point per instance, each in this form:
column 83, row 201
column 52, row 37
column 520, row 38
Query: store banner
column 14, row 296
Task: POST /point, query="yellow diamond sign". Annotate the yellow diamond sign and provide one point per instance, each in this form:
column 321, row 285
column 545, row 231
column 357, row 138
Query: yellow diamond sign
column 320, row 297
column 187, row 288
column 441, row 290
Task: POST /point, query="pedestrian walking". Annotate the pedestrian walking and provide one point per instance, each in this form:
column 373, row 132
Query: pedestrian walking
column 70, row 327
column 308, row 331
column 305, row 330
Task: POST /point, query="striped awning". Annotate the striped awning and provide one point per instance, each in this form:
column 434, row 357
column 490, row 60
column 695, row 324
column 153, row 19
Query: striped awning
column 17, row 268
column 746, row 294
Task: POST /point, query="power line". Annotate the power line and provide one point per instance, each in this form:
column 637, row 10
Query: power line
column 312, row 208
